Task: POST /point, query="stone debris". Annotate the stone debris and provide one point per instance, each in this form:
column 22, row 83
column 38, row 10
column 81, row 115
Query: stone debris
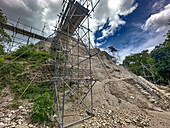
column 116, row 118
column 14, row 118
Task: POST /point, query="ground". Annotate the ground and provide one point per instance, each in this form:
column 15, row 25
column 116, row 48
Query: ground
column 119, row 101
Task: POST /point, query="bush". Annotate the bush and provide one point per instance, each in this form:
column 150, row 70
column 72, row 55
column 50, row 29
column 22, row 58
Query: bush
column 9, row 72
column 13, row 74
column 1, row 61
column 13, row 69
column 2, row 51
column 23, row 49
column 43, row 108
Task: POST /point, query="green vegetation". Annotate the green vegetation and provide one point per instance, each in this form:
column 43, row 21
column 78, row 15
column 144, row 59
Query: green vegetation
column 34, row 56
column 14, row 74
column 8, row 74
column 168, row 90
column 161, row 55
column 43, row 108
column 158, row 61
column 14, row 105
column 59, row 56
column 4, row 37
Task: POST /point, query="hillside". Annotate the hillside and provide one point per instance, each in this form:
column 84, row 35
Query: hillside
column 121, row 99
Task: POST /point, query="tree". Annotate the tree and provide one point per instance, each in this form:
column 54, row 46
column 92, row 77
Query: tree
column 161, row 55
column 4, row 37
column 134, row 63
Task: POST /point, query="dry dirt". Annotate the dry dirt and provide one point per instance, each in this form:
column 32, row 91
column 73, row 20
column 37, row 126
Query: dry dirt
column 119, row 102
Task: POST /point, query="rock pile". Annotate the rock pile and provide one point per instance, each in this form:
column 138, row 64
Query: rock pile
column 11, row 118
column 105, row 118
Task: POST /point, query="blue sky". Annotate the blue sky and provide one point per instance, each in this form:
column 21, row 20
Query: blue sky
column 135, row 36
column 129, row 25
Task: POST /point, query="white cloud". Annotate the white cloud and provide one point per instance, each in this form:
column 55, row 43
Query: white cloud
column 112, row 9
column 157, row 6
column 33, row 12
column 99, row 44
column 37, row 12
column 158, row 21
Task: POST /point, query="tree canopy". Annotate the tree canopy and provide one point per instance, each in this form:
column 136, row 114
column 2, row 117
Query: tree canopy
column 158, row 61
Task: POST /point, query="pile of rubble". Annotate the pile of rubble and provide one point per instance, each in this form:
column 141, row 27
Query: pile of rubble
column 12, row 118
column 105, row 118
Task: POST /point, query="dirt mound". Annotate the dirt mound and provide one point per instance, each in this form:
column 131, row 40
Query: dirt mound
column 121, row 101
column 120, row 98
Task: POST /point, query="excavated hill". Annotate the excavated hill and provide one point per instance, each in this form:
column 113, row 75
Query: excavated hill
column 121, row 99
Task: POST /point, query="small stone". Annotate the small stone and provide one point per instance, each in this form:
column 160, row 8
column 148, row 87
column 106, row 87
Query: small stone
column 13, row 123
column 6, row 120
column 132, row 97
column 20, row 107
column 30, row 125
column 127, row 121
column 55, row 116
column 24, row 113
column 10, row 115
column 152, row 100
column 2, row 114
column 20, row 117
column 2, row 125
column 20, row 121
column 83, row 126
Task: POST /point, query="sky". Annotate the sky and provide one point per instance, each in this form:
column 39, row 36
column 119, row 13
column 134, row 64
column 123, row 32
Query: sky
column 131, row 26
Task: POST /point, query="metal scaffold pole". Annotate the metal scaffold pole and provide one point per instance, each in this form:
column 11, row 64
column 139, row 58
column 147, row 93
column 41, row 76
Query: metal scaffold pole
column 73, row 60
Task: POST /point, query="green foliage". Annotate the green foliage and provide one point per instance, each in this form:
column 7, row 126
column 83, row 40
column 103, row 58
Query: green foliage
column 134, row 62
column 22, row 82
column 23, row 49
column 159, row 58
column 4, row 37
column 168, row 90
column 2, row 17
column 162, row 62
column 9, row 72
column 13, row 68
column 43, row 108
column 13, row 74
column 59, row 56
column 14, row 105
column 33, row 56
column 1, row 61
column 2, row 51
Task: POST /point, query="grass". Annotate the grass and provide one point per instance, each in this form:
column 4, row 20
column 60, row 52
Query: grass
column 168, row 90
column 21, row 82
column 14, row 105
column 13, row 75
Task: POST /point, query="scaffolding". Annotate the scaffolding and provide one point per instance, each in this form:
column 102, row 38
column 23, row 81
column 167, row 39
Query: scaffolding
column 72, row 50
column 18, row 32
